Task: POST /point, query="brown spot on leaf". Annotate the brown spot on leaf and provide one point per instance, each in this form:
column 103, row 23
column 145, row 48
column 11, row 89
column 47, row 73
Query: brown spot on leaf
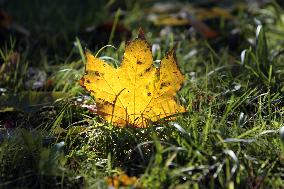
column 148, row 69
column 97, row 73
column 164, row 84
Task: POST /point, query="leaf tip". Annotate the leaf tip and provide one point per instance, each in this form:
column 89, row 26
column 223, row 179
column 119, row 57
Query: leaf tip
column 141, row 33
column 89, row 56
column 87, row 52
column 172, row 52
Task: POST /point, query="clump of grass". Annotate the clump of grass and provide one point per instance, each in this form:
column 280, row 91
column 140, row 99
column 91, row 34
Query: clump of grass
column 13, row 67
column 228, row 138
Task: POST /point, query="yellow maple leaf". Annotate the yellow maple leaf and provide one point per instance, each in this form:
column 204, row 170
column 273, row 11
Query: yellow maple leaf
column 136, row 93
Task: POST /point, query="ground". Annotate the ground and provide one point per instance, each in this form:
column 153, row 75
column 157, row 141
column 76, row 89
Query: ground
column 231, row 135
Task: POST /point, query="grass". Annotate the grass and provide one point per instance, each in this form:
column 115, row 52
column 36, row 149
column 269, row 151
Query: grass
column 228, row 138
